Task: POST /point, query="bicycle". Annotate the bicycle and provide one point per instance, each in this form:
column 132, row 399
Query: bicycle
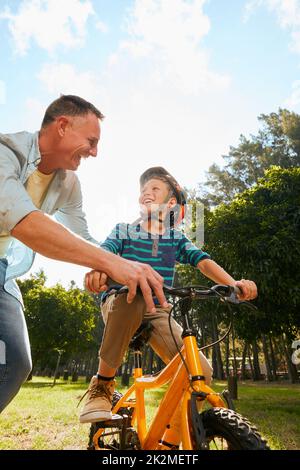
column 217, row 428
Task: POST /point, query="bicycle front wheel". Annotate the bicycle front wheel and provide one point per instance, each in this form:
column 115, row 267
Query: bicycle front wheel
column 227, row 430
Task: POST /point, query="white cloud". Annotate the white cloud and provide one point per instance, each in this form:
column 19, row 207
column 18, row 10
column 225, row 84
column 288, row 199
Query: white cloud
column 288, row 16
column 50, row 23
column 168, row 33
column 2, row 92
column 60, row 78
column 287, row 13
column 294, row 99
column 101, row 26
column 250, row 8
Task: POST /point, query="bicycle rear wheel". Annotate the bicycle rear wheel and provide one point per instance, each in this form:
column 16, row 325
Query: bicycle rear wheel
column 227, row 430
column 117, row 434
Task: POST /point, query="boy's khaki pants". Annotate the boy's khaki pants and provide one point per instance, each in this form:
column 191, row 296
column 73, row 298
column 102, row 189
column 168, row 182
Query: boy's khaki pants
column 121, row 322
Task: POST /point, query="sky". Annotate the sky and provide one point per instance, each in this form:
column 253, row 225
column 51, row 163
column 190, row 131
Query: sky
column 178, row 80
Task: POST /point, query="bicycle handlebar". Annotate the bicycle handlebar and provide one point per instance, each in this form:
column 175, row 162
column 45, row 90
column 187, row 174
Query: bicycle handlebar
column 196, row 292
column 225, row 292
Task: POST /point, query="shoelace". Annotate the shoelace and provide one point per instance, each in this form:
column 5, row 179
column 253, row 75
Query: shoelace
column 97, row 390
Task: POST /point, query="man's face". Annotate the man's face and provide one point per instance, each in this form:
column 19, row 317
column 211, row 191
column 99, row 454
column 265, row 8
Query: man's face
column 154, row 196
column 80, row 139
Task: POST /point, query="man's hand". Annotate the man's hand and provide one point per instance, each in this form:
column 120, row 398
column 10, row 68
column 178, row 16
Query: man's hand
column 133, row 275
column 248, row 288
column 95, row 281
column 148, row 280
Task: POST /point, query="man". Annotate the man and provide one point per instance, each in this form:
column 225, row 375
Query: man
column 36, row 179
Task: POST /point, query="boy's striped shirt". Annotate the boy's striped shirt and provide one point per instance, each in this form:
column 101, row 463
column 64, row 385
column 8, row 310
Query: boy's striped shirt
column 161, row 252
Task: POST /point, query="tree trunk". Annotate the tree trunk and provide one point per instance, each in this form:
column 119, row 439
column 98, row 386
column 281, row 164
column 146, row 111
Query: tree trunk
column 273, row 359
column 267, row 359
column 227, row 355
column 243, row 365
column 217, row 360
column 256, row 368
column 250, row 361
column 292, row 369
column 235, row 372
column 145, row 357
column 159, row 364
column 126, row 373
column 150, row 363
column 131, row 364
column 214, row 363
column 90, row 370
column 56, row 368
column 233, row 387
column 279, row 343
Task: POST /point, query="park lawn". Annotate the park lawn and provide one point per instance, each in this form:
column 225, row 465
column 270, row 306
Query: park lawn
column 274, row 408
column 42, row 417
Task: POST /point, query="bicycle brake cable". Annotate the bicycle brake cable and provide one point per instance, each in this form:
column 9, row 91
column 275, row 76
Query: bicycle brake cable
column 229, row 328
column 204, row 347
column 178, row 348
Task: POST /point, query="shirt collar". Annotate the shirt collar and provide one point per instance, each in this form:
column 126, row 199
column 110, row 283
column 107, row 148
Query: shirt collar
column 35, row 156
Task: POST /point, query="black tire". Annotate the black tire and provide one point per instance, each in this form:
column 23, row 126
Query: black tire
column 226, row 429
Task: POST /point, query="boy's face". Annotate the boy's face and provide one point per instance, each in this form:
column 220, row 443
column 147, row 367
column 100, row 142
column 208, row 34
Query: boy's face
column 154, row 196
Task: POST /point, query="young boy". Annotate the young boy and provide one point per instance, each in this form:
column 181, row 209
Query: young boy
column 154, row 240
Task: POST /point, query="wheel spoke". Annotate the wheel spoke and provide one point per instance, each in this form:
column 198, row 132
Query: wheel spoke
column 216, row 446
column 218, row 442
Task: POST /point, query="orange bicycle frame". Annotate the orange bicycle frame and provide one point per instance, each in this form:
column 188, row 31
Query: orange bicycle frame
column 179, row 391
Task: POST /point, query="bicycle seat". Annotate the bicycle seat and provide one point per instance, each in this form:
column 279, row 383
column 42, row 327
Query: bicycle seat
column 141, row 336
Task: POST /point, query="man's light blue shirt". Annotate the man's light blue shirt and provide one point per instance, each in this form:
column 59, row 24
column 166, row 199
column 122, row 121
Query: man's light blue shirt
column 19, row 158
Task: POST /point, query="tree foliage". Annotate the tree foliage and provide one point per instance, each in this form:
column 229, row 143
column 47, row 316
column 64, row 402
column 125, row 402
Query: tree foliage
column 257, row 236
column 59, row 319
column 277, row 143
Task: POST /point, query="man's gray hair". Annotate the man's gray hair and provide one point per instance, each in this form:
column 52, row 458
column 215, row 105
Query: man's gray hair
column 69, row 105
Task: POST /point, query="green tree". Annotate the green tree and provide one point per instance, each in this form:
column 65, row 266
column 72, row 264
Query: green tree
column 57, row 318
column 257, row 236
column 277, row 143
column 35, row 281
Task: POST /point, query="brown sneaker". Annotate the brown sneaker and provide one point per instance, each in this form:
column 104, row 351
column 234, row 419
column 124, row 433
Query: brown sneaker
column 98, row 403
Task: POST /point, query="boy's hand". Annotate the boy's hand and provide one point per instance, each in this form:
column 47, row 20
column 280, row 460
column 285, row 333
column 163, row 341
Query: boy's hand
column 248, row 288
column 95, row 281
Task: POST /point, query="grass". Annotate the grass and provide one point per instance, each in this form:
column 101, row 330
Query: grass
column 42, row 417
column 275, row 408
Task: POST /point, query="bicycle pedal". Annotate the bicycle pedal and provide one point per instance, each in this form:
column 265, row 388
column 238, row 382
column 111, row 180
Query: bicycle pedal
column 115, row 422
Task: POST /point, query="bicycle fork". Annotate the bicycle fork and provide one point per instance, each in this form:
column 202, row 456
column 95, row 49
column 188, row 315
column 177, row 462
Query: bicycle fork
column 195, row 396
